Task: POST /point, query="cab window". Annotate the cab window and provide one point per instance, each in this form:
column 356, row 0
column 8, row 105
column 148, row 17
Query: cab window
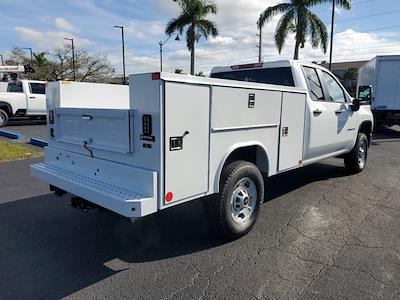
column 279, row 76
column 336, row 93
column 314, row 84
column 15, row 87
column 37, row 88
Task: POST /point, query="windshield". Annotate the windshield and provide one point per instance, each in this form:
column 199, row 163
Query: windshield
column 279, row 76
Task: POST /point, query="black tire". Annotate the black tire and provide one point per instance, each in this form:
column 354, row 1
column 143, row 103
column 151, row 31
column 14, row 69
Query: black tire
column 240, row 178
column 356, row 160
column 3, row 118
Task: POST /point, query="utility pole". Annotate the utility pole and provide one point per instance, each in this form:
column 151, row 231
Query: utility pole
column 73, row 55
column 123, row 51
column 2, row 59
column 260, row 56
column 332, row 29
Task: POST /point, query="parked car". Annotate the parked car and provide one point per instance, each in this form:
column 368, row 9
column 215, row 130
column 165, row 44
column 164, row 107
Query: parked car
column 24, row 98
column 383, row 74
column 186, row 137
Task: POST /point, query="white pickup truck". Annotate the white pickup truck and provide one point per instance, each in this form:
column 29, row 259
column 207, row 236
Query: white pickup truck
column 24, row 98
column 184, row 138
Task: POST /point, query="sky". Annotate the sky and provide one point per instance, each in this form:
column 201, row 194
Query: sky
column 370, row 28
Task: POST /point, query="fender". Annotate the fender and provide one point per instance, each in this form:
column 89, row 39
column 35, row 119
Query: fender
column 230, row 151
column 8, row 106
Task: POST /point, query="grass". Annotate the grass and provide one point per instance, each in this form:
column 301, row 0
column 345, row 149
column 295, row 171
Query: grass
column 11, row 151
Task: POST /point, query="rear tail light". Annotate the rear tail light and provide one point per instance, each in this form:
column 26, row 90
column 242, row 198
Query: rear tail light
column 155, row 76
column 51, row 116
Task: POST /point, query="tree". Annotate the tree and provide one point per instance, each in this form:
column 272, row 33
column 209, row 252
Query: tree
column 58, row 66
column 193, row 19
column 178, row 71
column 200, row 74
column 297, row 18
column 350, row 80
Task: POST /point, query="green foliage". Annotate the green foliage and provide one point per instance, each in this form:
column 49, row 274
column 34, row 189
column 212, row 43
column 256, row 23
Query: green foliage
column 178, row 71
column 297, row 18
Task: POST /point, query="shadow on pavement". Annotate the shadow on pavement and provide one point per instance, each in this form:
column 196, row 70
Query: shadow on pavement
column 50, row 250
column 384, row 132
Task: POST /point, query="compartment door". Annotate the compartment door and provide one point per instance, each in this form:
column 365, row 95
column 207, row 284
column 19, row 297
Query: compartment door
column 292, row 130
column 186, row 140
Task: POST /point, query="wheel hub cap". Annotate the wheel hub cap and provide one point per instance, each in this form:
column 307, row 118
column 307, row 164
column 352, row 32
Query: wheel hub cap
column 243, row 200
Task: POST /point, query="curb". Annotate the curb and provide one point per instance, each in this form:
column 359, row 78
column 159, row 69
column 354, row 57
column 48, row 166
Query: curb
column 11, row 135
column 38, row 142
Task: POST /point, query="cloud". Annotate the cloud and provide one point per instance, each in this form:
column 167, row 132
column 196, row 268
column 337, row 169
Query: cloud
column 145, row 30
column 63, row 24
column 49, row 39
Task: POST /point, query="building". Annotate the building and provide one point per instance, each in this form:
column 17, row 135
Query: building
column 347, row 73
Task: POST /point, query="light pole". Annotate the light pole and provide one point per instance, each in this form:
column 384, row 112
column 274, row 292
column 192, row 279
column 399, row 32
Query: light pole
column 123, row 51
column 161, row 43
column 332, row 29
column 2, row 59
column 73, row 55
column 30, row 49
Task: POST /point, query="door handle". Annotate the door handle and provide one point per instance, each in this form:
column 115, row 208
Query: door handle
column 339, row 111
column 317, row 112
column 32, row 97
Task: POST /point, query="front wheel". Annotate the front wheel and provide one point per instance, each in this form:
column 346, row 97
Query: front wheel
column 237, row 206
column 356, row 160
column 3, row 118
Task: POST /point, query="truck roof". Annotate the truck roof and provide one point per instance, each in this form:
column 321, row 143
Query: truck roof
column 263, row 65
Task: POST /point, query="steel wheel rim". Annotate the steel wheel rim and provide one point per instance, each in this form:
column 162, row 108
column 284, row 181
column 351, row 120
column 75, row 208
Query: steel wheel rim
column 243, row 200
column 362, row 154
column 2, row 118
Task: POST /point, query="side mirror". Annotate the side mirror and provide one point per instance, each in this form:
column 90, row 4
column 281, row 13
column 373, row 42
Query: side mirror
column 364, row 97
column 365, row 94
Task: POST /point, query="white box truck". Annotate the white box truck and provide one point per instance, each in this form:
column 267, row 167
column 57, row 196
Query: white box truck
column 383, row 74
column 185, row 137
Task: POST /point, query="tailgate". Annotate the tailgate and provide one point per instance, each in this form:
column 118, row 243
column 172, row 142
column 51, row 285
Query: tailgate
column 104, row 129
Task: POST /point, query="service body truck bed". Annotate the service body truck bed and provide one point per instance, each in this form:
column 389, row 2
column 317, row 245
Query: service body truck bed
column 175, row 140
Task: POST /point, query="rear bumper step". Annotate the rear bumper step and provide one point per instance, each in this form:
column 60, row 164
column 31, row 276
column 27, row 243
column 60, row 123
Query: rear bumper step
column 121, row 200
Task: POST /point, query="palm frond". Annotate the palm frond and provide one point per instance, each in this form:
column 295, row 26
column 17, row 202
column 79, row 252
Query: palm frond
column 207, row 28
column 285, row 25
column 178, row 24
column 318, row 32
column 346, row 4
column 273, row 11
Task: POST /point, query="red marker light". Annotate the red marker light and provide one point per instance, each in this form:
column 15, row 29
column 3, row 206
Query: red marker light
column 155, row 76
column 169, row 196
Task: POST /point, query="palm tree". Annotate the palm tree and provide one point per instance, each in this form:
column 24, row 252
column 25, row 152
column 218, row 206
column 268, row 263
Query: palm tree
column 40, row 59
column 297, row 18
column 193, row 19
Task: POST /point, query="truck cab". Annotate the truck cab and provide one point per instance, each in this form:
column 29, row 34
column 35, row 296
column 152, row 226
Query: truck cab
column 23, row 98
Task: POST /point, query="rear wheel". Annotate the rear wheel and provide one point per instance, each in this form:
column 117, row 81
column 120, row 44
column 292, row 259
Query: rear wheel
column 3, row 118
column 237, row 206
column 356, row 160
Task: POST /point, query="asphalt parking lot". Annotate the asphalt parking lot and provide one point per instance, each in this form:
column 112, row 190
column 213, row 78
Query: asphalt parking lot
column 28, row 128
column 321, row 234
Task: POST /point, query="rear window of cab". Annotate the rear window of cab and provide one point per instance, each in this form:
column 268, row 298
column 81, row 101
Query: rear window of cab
column 279, row 76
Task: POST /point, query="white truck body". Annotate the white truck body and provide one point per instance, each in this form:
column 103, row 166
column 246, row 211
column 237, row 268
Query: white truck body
column 172, row 142
column 383, row 74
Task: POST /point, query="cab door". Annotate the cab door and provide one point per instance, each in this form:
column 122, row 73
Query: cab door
column 329, row 115
column 36, row 98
